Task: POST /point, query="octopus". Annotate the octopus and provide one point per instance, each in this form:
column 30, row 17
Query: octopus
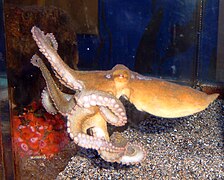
column 96, row 101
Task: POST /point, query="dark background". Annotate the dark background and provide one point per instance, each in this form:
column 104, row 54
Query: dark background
column 172, row 39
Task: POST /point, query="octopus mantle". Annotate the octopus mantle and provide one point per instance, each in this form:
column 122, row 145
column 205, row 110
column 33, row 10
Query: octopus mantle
column 97, row 101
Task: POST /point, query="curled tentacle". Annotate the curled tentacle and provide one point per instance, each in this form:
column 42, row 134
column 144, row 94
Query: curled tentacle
column 110, row 117
column 47, row 45
column 131, row 154
column 58, row 98
column 76, row 119
column 111, row 107
column 92, row 142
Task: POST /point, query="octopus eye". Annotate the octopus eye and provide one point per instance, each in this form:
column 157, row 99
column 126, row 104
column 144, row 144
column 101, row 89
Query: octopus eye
column 108, row 76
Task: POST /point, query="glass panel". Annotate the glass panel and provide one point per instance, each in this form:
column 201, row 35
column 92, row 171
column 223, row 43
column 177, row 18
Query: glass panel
column 208, row 42
column 220, row 54
column 40, row 140
column 6, row 166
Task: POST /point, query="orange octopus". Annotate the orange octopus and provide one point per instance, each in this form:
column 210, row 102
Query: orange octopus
column 96, row 101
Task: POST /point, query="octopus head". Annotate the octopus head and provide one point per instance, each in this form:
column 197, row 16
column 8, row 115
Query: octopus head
column 121, row 74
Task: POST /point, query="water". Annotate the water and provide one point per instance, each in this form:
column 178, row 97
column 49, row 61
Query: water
column 148, row 37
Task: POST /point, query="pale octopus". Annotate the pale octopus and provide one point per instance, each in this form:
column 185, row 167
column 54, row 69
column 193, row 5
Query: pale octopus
column 97, row 101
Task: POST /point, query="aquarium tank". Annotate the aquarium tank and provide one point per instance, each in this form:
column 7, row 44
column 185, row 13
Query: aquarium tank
column 111, row 89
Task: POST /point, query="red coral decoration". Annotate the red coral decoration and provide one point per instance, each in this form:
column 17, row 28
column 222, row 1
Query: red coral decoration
column 37, row 132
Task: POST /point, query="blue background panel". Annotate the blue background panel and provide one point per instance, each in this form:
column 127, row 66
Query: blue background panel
column 208, row 41
column 156, row 37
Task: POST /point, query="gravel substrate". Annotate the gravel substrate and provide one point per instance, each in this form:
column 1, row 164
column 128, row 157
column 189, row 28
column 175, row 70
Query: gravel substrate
column 184, row 148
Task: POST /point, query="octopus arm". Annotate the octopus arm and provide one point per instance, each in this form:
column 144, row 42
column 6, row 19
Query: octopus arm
column 131, row 154
column 111, row 108
column 76, row 120
column 62, row 104
column 48, row 45
column 47, row 102
column 115, row 149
